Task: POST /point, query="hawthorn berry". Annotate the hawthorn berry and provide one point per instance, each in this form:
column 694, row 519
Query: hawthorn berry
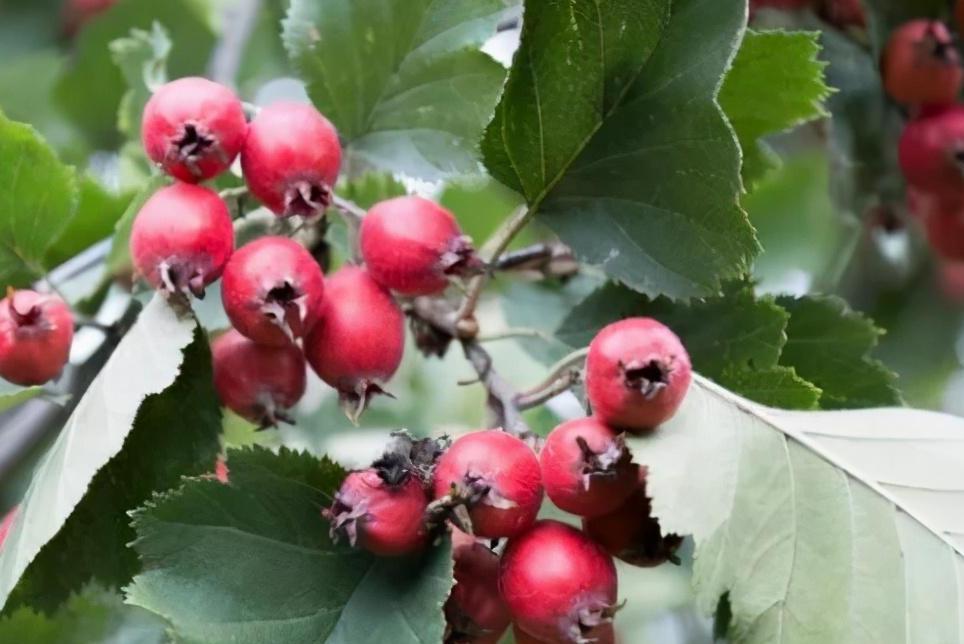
column 931, row 151
column 7, row 522
column 36, row 330
column 272, row 290
column 496, row 477
column 358, row 344
column 291, row 159
column 256, row 381
column 181, row 239
column 193, row 128
column 77, row 13
column 921, row 65
column 637, row 373
column 412, row 245
column 475, row 610
column 221, row 471
column 559, row 585
column 586, row 468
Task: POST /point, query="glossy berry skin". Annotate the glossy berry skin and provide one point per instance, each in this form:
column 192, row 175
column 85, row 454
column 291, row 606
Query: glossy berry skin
column 291, row 159
column 475, row 609
column 586, row 468
column 272, row 290
column 36, row 330
column 498, row 477
column 383, row 517
column 921, row 66
column 181, row 239
column 412, row 245
column 637, row 374
column 931, row 151
column 255, row 381
column 193, row 128
column 558, row 583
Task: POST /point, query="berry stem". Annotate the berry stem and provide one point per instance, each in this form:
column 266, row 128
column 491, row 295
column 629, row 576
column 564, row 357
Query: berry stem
column 562, row 376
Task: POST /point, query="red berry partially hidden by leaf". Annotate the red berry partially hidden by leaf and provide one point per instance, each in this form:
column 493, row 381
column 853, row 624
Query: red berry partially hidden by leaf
column 921, row 65
column 272, row 290
column 560, row 585
column 586, row 468
column 931, row 151
column 475, row 610
column 6, row 523
column 258, row 382
column 36, row 330
column 412, row 245
column 496, row 477
column 221, row 471
column 291, row 159
column 181, row 239
column 193, row 128
column 637, row 374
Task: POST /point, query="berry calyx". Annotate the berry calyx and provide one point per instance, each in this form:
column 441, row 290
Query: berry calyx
column 193, row 128
column 475, row 610
column 272, row 290
column 931, row 150
column 602, row 634
column 559, row 585
column 921, row 65
column 358, row 344
column 496, row 478
column 36, row 330
column 256, row 381
column 181, row 239
column 637, row 374
column 291, row 159
column 412, row 246
column 586, row 468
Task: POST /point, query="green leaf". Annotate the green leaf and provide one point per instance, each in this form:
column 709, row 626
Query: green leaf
column 481, row 205
column 773, row 386
column 38, row 200
column 97, row 213
column 610, row 128
column 774, row 84
column 370, row 188
column 252, row 562
column 119, row 257
column 402, row 80
column 149, row 417
column 12, row 395
column 142, row 58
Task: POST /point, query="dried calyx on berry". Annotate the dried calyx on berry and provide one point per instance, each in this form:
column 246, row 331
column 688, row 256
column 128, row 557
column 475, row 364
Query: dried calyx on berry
column 921, row 64
column 36, row 330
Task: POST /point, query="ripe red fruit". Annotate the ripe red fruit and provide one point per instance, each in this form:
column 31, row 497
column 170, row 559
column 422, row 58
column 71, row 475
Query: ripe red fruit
column 358, row 344
column 76, row 13
column 945, row 233
column 586, row 468
column 560, row 585
column 193, row 128
column 380, row 511
column 496, row 477
column 7, row 522
column 36, row 330
column 272, row 290
column 921, row 66
column 221, row 471
column 637, row 374
column 931, row 151
column 291, row 159
column 412, row 245
column 475, row 610
column 258, row 382
column 181, row 239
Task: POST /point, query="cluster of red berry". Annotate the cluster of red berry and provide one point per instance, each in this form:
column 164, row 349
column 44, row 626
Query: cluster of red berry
column 554, row 582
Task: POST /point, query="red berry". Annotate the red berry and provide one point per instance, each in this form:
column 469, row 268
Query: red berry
column 931, row 151
column 560, row 585
column 637, row 374
column 412, row 245
column 497, row 477
column 950, row 280
column 380, row 513
column 358, row 343
column 76, row 13
column 181, row 239
column 475, row 610
column 221, row 471
column 272, row 290
column 193, row 128
column 7, row 522
column 920, row 64
column 844, row 13
column 256, row 381
column 586, row 468
column 946, row 235
column 291, row 159
column 35, row 334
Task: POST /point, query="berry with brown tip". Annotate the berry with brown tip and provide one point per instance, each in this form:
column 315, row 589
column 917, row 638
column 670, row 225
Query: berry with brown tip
column 921, row 65
column 36, row 330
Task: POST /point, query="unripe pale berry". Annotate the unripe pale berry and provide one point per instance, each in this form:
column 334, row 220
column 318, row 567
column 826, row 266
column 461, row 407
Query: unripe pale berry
column 931, row 150
column 412, row 246
column 193, row 128
column 291, row 159
column 380, row 513
column 181, row 239
column 637, row 374
column 920, row 64
column 496, row 477
column 560, row 585
column 272, row 290
column 358, row 344
column 586, row 468
column 256, row 381
column 36, row 330
column 475, row 610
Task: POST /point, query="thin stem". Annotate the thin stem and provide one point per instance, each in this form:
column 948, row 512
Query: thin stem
column 561, row 385
column 560, row 371
column 517, row 332
column 234, row 193
column 348, row 208
column 502, row 397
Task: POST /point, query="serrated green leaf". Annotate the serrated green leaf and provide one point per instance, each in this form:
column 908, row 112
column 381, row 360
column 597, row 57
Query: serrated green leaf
column 119, row 257
column 773, row 386
column 251, row 562
column 142, row 58
column 98, row 212
column 12, row 395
